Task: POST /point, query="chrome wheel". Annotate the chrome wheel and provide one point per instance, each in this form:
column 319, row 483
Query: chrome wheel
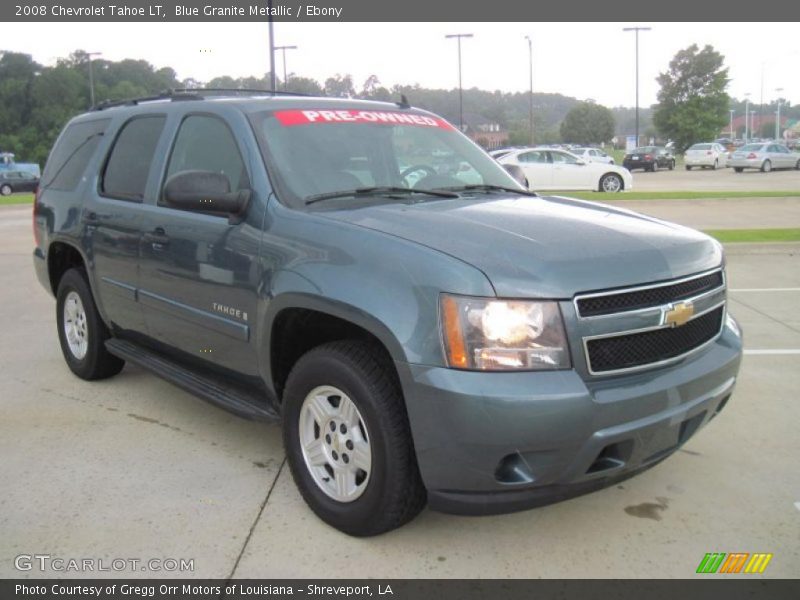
column 611, row 183
column 75, row 328
column 5, row 190
column 335, row 443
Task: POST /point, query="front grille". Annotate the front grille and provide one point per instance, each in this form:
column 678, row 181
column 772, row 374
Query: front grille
column 645, row 298
column 637, row 349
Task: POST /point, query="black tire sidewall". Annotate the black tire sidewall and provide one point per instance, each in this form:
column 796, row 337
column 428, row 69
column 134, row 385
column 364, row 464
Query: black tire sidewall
column 74, row 280
column 316, row 369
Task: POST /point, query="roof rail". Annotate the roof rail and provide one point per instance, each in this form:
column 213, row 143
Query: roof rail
column 176, row 94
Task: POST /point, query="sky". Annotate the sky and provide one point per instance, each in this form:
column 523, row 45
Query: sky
column 584, row 60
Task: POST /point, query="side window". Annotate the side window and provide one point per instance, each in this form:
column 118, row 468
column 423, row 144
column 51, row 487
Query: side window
column 205, row 143
column 533, row 157
column 128, row 164
column 71, row 154
column 561, row 158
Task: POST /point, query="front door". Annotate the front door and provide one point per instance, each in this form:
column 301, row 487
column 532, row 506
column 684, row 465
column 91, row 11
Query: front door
column 199, row 274
column 537, row 169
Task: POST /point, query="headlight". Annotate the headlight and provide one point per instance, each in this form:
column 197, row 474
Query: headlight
column 503, row 335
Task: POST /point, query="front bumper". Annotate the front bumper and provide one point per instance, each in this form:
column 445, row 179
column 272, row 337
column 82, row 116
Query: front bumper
column 490, row 443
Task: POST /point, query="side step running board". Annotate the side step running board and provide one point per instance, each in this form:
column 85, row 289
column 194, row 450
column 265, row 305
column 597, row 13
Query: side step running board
column 210, row 389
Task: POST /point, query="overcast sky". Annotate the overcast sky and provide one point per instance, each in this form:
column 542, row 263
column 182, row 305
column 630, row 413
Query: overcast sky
column 585, row 60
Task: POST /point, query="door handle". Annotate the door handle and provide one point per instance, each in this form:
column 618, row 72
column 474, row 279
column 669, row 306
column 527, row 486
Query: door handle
column 158, row 238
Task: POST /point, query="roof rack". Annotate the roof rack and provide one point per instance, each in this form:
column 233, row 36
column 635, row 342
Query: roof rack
column 178, row 94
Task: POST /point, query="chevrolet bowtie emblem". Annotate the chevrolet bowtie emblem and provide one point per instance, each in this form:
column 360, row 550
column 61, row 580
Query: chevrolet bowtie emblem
column 678, row 314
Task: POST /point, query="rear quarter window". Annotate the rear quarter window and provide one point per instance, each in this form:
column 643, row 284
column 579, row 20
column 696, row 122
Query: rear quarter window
column 71, row 154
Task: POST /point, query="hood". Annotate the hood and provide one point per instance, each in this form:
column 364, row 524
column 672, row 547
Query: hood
column 546, row 247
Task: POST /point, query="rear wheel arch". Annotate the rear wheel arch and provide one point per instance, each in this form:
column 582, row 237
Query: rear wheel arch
column 61, row 257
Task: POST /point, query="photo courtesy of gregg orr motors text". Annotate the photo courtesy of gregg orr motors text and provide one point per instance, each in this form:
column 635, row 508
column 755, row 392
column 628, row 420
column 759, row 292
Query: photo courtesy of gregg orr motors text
column 46, row 563
column 229, row 589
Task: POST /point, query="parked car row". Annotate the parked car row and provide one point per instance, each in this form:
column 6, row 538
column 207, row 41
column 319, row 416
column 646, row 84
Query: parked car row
column 764, row 157
column 17, row 181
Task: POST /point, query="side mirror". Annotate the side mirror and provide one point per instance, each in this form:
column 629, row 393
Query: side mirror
column 517, row 173
column 205, row 191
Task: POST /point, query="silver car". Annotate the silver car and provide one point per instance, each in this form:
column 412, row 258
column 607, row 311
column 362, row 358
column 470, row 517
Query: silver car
column 764, row 156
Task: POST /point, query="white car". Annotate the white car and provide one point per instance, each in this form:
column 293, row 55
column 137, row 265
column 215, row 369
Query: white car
column 711, row 155
column 592, row 155
column 551, row 169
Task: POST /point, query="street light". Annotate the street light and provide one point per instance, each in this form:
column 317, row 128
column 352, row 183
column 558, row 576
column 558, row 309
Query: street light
column 458, row 36
column 530, row 100
column 89, row 55
column 746, row 118
column 778, row 116
column 732, row 111
column 283, row 50
column 636, row 30
column 271, row 47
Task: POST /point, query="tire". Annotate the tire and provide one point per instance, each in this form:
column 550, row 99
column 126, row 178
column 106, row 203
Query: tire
column 671, row 165
column 654, row 168
column 738, row 169
column 5, row 190
column 611, row 182
column 797, row 166
column 715, row 166
column 688, row 167
column 390, row 492
column 81, row 331
column 766, row 166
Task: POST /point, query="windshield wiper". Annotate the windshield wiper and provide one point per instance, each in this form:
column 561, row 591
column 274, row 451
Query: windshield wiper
column 487, row 187
column 369, row 191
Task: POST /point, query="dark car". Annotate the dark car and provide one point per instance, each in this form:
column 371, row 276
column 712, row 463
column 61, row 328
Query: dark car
column 17, row 181
column 421, row 338
column 649, row 158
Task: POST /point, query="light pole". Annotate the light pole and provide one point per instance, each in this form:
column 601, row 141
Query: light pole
column 636, row 30
column 89, row 56
column 458, row 37
column 746, row 117
column 283, row 50
column 753, row 123
column 778, row 116
column 530, row 99
column 271, row 48
column 732, row 111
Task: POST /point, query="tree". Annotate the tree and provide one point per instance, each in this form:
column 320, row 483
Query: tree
column 692, row 103
column 587, row 123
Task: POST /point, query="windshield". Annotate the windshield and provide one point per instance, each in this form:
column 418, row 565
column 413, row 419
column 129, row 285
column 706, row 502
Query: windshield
column 316, row 152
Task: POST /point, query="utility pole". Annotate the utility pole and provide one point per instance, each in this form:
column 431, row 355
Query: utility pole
column 530, row 99
column 458, row 37
column 778, row 116
column 746, row 117
column 732, row 136
column 283, row 50
column 636, row 30
column 89, row 55
column 271, row 48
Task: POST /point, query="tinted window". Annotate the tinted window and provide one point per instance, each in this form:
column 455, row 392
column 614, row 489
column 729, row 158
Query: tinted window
column 562, row 157
column 206, row 143
column 71, row 154
column 129, row 163
column 537, row 156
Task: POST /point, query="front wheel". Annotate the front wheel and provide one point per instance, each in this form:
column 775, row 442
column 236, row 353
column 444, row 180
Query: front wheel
column 5, row 190
column 797, row 166
column 348, row 441
column 766, row 166
column 715, row 166
column 610, row 182
column 81, row 331
column 671, row 165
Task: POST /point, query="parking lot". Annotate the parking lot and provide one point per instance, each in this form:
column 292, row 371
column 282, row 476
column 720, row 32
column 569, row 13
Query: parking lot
column 708, row 180
column 132, row 467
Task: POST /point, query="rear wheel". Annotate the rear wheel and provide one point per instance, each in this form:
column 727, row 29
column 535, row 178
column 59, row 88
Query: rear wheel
column 715, row 166
column 688, row 167
column 610, row 182
column 81, row 331
column 797, row 166
column 738, row 169
column 766, row 166
column 671, row 165
column 348, row 441
column 5, row 189
column 654, row 168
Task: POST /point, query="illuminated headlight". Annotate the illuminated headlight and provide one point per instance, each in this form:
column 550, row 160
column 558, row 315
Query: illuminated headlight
column 503, row 335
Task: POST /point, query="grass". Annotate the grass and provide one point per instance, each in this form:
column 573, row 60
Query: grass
column 16, row 199
column 755, row 235
column 634, row 195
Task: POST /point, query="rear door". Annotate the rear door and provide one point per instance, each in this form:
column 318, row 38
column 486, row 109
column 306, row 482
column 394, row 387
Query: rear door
column 199, row 273
column 113, row 217
column 569, row 174
column 538, row 169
